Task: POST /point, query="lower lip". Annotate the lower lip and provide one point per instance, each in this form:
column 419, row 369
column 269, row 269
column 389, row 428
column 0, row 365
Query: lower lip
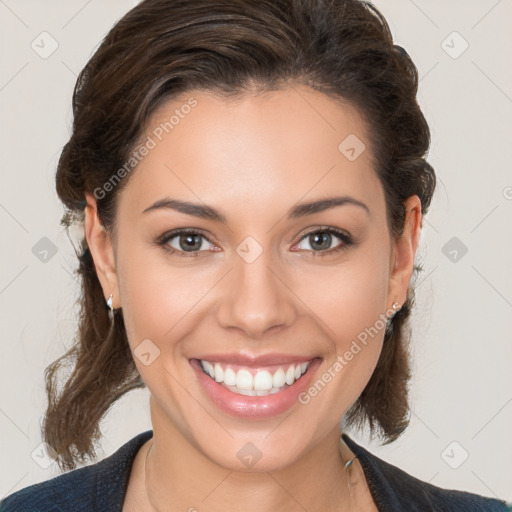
column 254, row 406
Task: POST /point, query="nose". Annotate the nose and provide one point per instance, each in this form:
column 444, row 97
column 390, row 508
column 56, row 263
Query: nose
column 256, row 298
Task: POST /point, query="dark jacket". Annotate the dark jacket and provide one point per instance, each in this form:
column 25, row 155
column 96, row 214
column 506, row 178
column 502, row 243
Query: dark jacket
column 101, row 487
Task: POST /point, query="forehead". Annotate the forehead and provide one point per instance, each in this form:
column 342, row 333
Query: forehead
column 258, row 150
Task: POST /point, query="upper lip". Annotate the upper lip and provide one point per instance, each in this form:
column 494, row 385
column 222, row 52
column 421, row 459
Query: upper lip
column 251, row 360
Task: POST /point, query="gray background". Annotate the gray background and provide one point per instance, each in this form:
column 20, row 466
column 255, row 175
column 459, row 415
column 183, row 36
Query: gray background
column 461, row 417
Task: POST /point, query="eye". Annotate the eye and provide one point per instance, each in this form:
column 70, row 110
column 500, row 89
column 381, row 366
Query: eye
column 321, row 241
column 185, row 243
column 190, row 243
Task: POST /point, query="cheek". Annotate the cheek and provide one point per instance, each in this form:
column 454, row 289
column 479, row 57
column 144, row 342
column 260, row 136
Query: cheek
column 351, row 303
column 353, row 319
column 158, row 299
column 158, row 305
column 351, row 296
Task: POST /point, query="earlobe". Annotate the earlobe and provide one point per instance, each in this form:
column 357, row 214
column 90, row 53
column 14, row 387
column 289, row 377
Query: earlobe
column 404, row 252
column 100, row 244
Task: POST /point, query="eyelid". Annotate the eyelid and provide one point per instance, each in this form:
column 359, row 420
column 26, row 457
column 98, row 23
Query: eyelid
column 168, row 235
column 331, row 229
column 345, row 237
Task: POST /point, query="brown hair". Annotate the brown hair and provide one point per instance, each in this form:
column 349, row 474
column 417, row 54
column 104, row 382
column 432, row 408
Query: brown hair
column 162, row 48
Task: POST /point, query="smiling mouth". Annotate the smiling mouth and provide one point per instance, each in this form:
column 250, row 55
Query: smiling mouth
column 254, row 382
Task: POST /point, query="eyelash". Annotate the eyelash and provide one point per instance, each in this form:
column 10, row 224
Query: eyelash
column 163, row 241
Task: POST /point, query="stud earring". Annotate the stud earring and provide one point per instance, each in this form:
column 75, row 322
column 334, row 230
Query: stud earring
column 395, row 308
column 110, row 307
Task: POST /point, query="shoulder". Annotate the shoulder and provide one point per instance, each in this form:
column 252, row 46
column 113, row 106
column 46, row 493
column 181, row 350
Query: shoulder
column 394, row 489
column 56, row 494
column 99, row 486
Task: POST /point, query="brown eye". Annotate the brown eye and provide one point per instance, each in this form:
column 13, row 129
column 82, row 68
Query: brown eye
column 185, row 243
column 321, row 240
column 325, row 241
column 190, row 242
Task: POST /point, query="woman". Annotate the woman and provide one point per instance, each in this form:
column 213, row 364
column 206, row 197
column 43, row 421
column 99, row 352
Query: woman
column 252, row 179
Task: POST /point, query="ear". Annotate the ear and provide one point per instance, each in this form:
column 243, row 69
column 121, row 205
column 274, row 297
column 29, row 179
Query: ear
column 100, row 245
column 404, row 251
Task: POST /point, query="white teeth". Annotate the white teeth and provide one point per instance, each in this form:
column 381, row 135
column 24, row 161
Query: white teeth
column 290, row 375
column 244, row 379
column 229, row 377
column 262, row 383
column 246, row 392
column 251, row 392
column 219, row 373
column 278, row 380
column 209, row 369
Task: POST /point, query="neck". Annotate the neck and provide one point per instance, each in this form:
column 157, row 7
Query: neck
column 180, row 477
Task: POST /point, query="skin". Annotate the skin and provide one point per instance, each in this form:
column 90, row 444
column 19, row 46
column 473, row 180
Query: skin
column 252, row 159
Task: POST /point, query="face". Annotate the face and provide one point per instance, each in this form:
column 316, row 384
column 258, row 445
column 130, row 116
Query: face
column 220, row 266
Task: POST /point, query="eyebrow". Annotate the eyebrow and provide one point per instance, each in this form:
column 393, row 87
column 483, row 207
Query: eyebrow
column 301, row 210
